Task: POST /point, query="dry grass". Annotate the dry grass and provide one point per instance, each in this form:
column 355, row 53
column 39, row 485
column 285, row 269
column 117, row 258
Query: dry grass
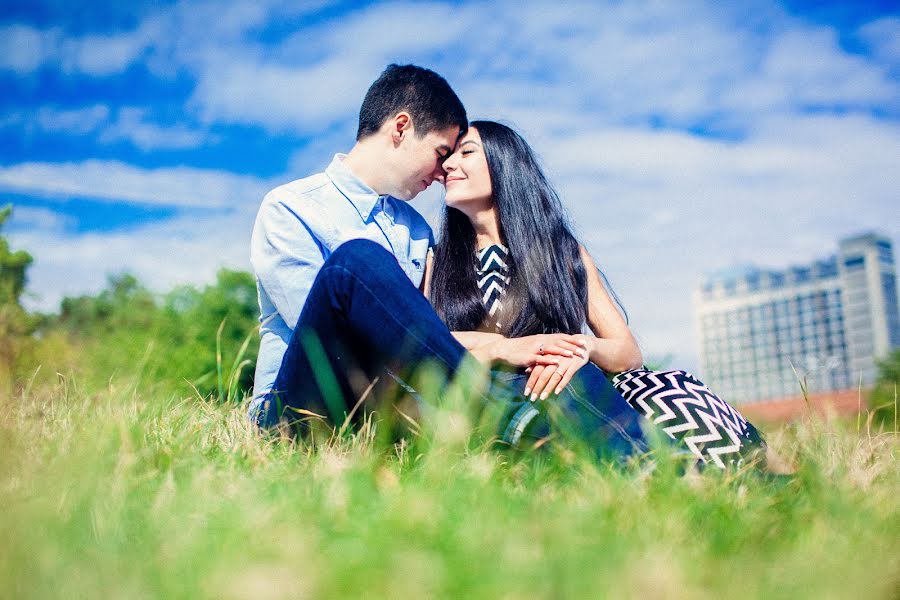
column 119, row 493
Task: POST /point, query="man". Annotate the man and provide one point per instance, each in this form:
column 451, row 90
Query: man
column 338, row 258
column 409, row 122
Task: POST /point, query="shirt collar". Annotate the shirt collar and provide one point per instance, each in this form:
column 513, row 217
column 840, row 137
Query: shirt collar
column 360, row 195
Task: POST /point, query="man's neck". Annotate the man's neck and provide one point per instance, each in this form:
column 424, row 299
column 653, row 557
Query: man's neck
column 367, row 164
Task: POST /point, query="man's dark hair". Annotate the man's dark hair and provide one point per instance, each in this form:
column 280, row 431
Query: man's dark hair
column 425, row 95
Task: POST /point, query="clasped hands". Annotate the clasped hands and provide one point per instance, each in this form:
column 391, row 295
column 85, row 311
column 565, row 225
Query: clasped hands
column 551, row 359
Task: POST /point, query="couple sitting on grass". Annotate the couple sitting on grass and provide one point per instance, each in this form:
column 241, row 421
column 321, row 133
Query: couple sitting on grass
column 356, row 298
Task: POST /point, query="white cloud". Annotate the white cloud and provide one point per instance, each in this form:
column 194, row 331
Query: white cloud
column 282, row 93
column 175, row 37
column 23, row 49
column 808, row 66
column 101, row 55
column 281, row 97
column 77, row 121
column 628, row 63
column 318, row 152
column 161, row 255
column 612, row 62
column 115, row 181
column 883, row 37
column 25, row 218
column 128, row 123
column 134, row 125
column 186, row 249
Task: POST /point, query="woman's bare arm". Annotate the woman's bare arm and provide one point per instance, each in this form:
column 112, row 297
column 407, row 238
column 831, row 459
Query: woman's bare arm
column 473, row 339
column 426, row 275
column 614, row 348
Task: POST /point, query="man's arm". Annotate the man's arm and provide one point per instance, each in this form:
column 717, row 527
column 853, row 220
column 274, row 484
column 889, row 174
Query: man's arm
column 286, row 258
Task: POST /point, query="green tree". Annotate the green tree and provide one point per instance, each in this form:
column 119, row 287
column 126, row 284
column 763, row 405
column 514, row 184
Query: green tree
column 125, row 303
column 15, row 325
column 193, row 318
column 168, row 341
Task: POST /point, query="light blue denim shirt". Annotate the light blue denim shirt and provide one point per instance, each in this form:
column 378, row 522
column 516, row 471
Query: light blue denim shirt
column 298, row 226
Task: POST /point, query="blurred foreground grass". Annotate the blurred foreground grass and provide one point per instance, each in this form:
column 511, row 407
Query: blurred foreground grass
column 121, row 494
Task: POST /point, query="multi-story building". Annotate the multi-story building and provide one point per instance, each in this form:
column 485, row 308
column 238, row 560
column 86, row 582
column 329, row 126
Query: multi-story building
column 828, row 322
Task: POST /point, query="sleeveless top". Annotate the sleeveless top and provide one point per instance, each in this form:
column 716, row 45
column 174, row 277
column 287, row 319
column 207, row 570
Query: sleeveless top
column 492, row 274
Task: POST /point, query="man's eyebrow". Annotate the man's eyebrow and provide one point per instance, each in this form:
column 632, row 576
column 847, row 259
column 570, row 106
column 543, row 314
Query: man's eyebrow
column 445, row 148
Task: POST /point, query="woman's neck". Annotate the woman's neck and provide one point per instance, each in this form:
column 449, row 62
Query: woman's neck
column 486, row 224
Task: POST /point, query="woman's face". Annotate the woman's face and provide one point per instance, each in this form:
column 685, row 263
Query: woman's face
column 467, row 181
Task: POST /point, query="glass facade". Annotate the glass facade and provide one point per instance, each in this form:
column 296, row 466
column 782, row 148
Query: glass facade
column 825, row 323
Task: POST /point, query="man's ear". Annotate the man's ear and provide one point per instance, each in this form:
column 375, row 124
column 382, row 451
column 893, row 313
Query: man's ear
column 401, row 126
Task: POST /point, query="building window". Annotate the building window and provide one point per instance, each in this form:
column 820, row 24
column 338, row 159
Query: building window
column 855, row 262
column 885, row 253
column 801, row 274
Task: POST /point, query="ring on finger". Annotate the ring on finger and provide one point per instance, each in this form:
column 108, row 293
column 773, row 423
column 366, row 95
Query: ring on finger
column 541, row 349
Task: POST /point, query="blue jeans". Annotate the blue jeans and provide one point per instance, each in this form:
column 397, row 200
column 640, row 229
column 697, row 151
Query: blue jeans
column 363, row 318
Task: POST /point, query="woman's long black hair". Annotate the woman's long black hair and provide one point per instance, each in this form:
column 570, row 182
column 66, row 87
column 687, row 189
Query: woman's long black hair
column 548, row 283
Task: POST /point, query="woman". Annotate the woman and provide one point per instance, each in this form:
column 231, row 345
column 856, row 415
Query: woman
column 508, row 267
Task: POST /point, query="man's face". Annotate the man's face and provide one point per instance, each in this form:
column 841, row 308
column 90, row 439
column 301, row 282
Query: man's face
column 420, row 161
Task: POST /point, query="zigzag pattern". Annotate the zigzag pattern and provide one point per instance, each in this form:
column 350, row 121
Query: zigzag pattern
column 492, row 258
column 686, row 410
column 491, row 292
column 492, row 278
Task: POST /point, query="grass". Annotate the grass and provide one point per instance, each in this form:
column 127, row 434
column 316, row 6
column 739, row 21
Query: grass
column 119, row 493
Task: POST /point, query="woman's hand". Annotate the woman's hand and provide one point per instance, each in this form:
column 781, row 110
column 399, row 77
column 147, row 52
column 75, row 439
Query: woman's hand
column 541, row 349
column 547, row 378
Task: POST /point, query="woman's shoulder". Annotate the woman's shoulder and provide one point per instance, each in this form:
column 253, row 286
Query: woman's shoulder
column 586, row 257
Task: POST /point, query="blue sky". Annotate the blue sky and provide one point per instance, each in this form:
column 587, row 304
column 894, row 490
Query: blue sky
column 685, row 137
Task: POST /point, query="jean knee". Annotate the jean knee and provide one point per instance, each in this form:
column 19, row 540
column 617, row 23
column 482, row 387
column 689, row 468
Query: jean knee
column 358, row 252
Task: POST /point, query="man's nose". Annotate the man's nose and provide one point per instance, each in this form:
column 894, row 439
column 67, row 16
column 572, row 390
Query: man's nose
column 438, row 174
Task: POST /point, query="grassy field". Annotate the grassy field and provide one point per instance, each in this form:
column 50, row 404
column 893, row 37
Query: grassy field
column 118, row 493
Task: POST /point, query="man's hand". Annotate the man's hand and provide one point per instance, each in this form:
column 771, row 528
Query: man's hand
column 554, row 378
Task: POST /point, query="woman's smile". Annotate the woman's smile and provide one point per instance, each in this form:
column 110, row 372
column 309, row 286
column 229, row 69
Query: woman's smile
column 468, row 163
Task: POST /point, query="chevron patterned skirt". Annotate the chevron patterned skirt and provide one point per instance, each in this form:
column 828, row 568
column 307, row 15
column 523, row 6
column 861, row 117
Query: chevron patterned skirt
column 689, row 413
